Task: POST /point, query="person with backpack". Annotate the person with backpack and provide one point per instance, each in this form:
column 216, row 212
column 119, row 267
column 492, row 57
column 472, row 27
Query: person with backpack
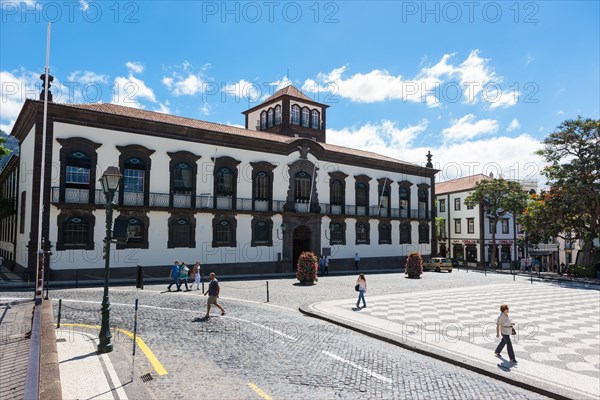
column 174, row 275
column 183, row 276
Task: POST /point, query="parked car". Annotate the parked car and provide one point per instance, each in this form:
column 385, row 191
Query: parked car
column 438, row 264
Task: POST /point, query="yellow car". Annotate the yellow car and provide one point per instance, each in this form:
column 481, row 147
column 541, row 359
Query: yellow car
column 438, row 264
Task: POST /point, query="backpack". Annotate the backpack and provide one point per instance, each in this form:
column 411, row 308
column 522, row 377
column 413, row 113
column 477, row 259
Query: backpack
column 183, row 271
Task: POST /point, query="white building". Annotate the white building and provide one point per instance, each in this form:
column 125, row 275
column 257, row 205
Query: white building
column 242, row 201
column 467, row 233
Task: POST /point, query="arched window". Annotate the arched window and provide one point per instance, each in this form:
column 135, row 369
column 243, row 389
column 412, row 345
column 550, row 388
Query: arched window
column 362, row 233
column 224, row 233
column 338, row 233
column 278, row 115
column 303, row 183
column 315, row 120
column 134, row 175
column 260, row 234
column 295, row 115
column 422, row 203
column 336, row 193
column 385, row 233
column 263, row 120
column 77, row 170
column 135, row 231
column 181, row 233
column 182, row 179
column 423, row 233
column 362, row 195
column 270, row 118
column 261, row 186
column 305, row 115
column 384, row 197
column 404, row 202
column 224, row 180
column 405, row 233
column 76, row 232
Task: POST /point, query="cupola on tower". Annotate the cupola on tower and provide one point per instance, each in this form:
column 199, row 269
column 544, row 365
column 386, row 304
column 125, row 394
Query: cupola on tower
column 289, row 112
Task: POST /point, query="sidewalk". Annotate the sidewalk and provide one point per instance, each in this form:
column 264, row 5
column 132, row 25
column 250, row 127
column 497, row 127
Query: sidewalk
column 15, row 326
column 558, row 350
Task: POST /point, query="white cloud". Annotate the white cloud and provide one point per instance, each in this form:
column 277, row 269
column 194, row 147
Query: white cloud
column 514, row 124
column 514, row 158
column 128, row 91
column 84, row 5
column 429, row 86
column 15, row 88
column 85, row 77
column 135, row 66
column 205, row 109
column 182, row 81
column 164, row 107
column 384, row 138
column 466, row 128
column 243, row 89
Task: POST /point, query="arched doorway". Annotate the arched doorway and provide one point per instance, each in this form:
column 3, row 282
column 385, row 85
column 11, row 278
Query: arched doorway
column 300, row 242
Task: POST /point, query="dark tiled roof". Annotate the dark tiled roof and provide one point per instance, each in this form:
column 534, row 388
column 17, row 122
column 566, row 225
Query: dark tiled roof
column 460, row 184
column 119, row 110
column 290, row 91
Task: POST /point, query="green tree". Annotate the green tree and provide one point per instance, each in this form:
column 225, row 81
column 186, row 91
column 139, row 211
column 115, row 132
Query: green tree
column 3, row 150
column 571, row 207
column 498, row 198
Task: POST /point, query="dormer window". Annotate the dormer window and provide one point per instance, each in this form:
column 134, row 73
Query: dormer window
column 305, row 115
column 270, row 118
column 263, row 120
column 315, row 119
column 278, row 115
column 295, row 115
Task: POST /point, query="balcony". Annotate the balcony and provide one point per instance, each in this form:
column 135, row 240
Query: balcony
column 207, row 202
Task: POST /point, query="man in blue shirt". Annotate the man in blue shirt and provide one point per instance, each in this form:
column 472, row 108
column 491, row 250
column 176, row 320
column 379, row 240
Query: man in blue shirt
column 213, row 294
column 175, row 277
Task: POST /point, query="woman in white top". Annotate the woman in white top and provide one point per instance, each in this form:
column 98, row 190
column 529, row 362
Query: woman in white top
column 504, row 326
column 362, row 289
column 196, row 275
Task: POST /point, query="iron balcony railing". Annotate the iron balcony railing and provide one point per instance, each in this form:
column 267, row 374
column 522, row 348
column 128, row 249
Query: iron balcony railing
column 207, row 201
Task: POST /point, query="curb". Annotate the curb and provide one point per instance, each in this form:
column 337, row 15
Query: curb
column 308, row 310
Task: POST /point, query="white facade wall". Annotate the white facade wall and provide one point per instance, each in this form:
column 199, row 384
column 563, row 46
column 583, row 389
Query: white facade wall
column 158, row 253
column 25, row 185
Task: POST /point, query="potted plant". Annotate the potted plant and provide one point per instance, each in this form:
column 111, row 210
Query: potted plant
column 414, row 265
column 307, row 267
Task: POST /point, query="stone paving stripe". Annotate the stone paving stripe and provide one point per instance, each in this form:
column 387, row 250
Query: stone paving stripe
column 366, row 370
column 275, row 331
column 108, row 366
column 158, row 367
column 259, row 391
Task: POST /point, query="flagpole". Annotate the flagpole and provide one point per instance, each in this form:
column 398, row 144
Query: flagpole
column 40, row 253
column 312, row 182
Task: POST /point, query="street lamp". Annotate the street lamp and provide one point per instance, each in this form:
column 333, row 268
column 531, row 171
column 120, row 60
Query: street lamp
column 110, row 182
column 283, row 227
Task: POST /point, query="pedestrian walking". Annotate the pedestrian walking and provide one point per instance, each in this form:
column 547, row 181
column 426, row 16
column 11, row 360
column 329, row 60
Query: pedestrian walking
column 321, row 265
column 504, row 326
column 362, row 289
column 213, row 294
column 561, row 268
column 356, row 261
column 326, row 268
column 174, row 275
column 184, row 275
column 196, row 275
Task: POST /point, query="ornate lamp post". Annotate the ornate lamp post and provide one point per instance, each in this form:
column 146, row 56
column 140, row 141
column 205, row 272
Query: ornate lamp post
column 110, row 182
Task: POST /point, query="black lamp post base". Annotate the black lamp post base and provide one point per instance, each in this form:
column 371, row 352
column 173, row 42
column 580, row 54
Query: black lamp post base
column 105, row 346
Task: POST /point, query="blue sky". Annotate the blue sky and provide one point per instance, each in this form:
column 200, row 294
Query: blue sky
column 479, row 84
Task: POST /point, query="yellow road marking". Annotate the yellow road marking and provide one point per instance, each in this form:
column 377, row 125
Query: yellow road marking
column 259, row 391
column 158, row 367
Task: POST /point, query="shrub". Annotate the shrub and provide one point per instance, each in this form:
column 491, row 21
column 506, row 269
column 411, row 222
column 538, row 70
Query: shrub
column 307, row 267
column 414, row 265
column 583, row 272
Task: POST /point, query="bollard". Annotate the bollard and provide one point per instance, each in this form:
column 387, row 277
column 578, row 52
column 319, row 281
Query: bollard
column 76, row 279
column 267, row 291
column 203, row 287
column 59, row 311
